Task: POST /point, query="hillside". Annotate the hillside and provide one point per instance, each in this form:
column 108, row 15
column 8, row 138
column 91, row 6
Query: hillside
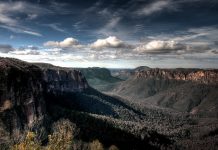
column 186, row 90
column 99, row 78
column 124, row 74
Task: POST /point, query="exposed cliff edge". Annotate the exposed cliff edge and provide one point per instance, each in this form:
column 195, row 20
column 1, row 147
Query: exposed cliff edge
column 22, row 89
column 195, row 75
column 186, row 90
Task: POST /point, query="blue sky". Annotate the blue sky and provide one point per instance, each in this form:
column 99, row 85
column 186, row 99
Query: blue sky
column 115, row 33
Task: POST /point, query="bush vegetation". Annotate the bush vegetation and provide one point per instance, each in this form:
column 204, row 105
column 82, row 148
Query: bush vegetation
column 62, row 138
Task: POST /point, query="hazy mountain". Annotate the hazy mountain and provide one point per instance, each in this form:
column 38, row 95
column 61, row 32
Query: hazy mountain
column 124, row 74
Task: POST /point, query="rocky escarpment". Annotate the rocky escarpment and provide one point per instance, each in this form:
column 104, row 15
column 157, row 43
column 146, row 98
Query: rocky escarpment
column 63, row 80
column 195, row 75
column 22, row 89
column 186, row 90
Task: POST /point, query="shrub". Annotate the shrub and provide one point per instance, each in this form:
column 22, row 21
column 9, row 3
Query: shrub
column 62, row 137
column 30, row 143
column 96, row 145
column 113, row 147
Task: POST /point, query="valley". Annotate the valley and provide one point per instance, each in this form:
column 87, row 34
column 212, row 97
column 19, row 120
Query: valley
column 142, row 108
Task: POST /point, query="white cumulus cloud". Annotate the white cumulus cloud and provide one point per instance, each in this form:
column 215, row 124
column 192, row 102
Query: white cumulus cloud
column 66, row 43
column 158, row 46
column 110, row 42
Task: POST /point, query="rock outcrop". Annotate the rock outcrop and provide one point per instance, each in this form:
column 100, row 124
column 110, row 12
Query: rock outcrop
column 185, row 90
column 195, row 75
column 22, row 89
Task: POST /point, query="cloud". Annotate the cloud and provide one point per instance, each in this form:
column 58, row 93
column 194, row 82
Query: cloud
column 215, row 51
column 32, row 16
column 112, row 23
column 7, row 20
column 158, row 46
column 66, row 43
column 154, row 7
column 12, row 37
column 110, row 42
column 93, row 8
column 32, row 33
column 11, row 9
column 4, row 48
column 172, row 47
column 29, row 47
column 210, row 33
column 9, row 12
column 55, row 26
column 21, row 30
column 110, row 28
column 25, row 52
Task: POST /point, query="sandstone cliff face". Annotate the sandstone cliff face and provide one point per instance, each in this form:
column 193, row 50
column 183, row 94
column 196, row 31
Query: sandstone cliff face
column 195, row 75
column 185, row 90
column 64, row 80
column 22, row 88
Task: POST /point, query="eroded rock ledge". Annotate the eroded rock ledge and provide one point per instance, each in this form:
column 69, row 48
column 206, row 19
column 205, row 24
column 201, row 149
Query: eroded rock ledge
column 195, row 75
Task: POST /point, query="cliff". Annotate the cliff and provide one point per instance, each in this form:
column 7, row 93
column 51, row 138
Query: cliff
column 185, row 90
column 195, row 75
column 22, row 89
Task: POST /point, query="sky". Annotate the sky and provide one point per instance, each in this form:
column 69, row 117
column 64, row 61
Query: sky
column 111, row 33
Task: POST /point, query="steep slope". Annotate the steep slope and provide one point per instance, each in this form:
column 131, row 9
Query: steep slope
column 188, row 90
column 141, row 68
column 22, row 88
column 189, row 97
column 124, row 74
column 21, row 100
column 99, row 78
